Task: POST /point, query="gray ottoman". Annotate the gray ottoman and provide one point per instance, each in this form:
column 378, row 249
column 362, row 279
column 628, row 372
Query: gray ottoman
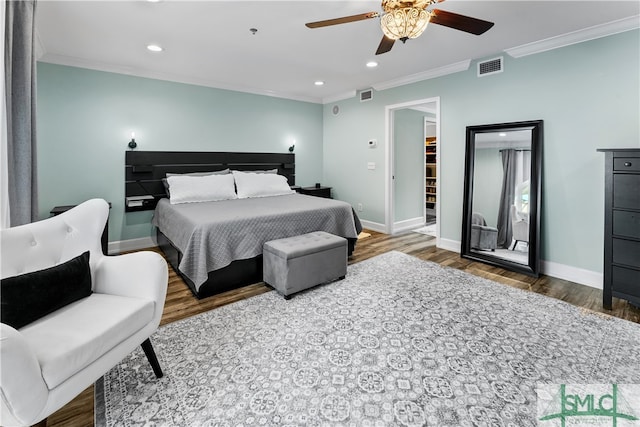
column 297, row 263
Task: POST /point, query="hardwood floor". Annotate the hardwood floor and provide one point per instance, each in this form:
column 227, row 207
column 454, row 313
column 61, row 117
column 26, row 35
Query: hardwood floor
column 180, row 302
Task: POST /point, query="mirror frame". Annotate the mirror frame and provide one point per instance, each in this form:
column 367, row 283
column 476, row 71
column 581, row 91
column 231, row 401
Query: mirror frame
column 532, row 268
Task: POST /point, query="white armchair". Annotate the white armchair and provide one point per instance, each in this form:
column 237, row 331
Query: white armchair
column 519, row 226
column 49, row 361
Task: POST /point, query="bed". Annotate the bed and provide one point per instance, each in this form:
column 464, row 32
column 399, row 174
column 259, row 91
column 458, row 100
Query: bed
column 216, row 245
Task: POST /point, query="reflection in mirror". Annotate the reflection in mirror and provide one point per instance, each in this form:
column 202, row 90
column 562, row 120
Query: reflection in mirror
column 500, row 224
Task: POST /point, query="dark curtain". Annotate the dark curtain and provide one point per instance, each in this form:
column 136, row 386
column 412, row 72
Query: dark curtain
column 20, row 93
column 507, row 197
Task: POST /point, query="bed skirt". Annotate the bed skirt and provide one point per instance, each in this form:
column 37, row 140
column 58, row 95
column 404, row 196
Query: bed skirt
column 235, row 275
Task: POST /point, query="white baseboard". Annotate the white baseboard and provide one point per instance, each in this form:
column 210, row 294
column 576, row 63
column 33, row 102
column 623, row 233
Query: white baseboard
column 572, row 274
column 131, row 245
column 548, row 268
column 375, row 226
column 408, row 224
column 449, row 245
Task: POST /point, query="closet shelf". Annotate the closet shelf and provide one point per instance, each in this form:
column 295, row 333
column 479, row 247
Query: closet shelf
column 430, row 164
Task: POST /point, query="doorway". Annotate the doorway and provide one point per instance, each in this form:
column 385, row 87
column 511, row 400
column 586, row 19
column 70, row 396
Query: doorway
column 430, row 170
column 397, row 172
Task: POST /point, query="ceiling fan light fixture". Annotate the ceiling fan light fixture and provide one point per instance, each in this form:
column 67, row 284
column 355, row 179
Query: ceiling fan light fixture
column 407, row 19
column 404, row 23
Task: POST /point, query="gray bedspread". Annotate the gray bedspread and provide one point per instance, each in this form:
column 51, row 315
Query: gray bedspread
column 211, row 235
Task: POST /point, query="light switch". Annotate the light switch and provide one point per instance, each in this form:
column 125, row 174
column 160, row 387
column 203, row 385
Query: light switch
column 371, row 165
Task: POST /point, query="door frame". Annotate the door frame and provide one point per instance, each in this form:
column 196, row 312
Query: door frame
column 389, row 213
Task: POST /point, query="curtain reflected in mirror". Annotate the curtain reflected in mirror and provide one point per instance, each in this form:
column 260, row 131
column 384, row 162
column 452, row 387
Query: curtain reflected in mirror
column 500, row 224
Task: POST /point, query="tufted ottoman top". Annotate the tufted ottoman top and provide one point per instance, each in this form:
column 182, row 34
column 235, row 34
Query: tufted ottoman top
column 305, row 244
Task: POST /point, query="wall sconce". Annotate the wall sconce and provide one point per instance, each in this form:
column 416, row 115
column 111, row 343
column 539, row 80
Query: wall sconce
column 132, row 143
column 293, row 146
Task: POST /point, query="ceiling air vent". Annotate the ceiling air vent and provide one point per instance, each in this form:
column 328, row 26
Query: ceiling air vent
column 366, row 95
column 491, row 66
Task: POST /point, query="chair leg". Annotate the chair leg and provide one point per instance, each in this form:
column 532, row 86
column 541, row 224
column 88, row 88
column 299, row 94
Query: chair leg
column 151, row 356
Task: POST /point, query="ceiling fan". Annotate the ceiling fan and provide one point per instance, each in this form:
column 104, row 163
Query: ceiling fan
column 407, row 19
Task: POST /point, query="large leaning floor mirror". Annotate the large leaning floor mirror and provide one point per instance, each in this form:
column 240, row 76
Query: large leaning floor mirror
column 501, row 223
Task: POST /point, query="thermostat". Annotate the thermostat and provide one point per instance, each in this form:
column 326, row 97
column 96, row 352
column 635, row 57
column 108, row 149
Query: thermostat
column 372, row 143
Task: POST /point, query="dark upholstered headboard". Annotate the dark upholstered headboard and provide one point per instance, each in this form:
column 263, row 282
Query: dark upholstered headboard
column 144, row 170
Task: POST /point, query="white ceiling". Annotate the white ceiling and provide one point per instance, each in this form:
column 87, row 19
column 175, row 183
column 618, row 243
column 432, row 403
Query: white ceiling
column 209, row 42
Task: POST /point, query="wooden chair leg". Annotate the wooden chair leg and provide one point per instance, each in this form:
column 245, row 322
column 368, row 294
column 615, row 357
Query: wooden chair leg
column 151, row 356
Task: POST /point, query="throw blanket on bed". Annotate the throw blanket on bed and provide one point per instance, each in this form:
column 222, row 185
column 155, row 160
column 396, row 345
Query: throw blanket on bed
column 211, row 235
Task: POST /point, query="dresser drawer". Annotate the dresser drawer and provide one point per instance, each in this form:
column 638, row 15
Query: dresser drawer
column 626, row 191
column 626, row 224
column 626, row 252
column 631, row 164
column 626, row 281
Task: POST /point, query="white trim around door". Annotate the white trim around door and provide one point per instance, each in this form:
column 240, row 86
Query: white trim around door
column 388, row 153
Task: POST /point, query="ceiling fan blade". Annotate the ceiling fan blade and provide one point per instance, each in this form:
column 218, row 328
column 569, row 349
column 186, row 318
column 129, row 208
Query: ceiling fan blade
column 385, row 45
column 343, row 20
column 460, row 22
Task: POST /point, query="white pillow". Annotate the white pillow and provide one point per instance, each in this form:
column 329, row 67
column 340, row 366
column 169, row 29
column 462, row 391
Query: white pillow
column 220, row 172
column 168, row 174
column 261, row 171
column 260, row 184
column 190, row 189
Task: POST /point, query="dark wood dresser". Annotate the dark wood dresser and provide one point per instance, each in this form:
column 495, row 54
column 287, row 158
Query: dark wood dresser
column 622, row 226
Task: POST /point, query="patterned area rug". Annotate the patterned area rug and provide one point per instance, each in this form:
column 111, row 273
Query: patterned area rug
column 399, row 342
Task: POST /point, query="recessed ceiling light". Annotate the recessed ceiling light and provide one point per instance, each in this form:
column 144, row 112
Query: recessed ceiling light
column 372, row 64
column 319, row 83
column 154, row 48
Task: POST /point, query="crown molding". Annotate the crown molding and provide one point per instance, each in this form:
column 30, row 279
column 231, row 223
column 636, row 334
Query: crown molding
column 425, row 75
column 579, row 36
column 138, row 72
column 339, row 97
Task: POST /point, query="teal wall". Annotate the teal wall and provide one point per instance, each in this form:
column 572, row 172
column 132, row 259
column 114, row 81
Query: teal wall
column 85, row 119
column 409, row 160
column 588, row 95
column 346, row 154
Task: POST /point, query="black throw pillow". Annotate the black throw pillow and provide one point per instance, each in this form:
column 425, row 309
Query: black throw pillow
column 28, row 297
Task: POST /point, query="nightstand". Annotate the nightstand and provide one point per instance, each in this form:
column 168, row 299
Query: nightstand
column 316, row 191
column 57, row 210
